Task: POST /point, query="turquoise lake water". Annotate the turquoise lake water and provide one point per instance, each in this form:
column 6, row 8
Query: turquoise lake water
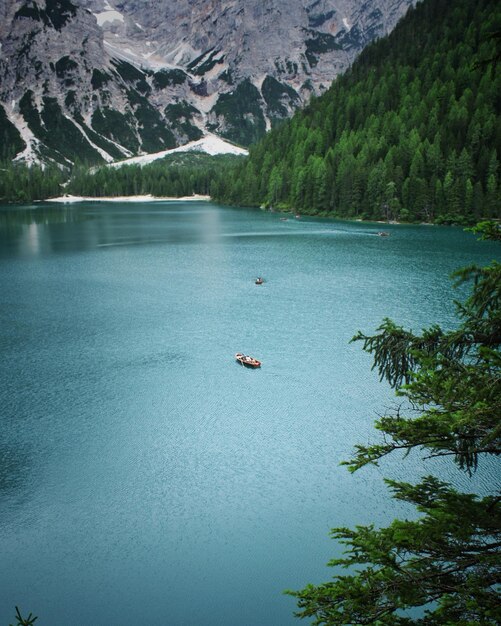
column 145, row 476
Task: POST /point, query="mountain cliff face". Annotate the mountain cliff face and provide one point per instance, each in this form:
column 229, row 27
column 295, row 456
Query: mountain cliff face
column 105, row 79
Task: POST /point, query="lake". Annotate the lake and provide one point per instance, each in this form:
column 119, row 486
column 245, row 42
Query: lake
column 145, row 476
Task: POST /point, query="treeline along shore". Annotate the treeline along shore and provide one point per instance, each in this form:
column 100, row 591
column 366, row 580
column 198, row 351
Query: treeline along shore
column 412, row 132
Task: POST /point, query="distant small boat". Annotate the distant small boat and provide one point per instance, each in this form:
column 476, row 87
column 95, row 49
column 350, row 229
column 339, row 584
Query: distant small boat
column 259, row 280
column 284, row 219
column 383, row 233
column 298, row 217
column 246, row 360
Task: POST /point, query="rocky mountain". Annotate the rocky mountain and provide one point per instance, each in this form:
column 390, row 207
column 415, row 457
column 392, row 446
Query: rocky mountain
column 101, row 80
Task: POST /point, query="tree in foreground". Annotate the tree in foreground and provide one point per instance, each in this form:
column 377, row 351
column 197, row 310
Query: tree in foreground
column 445, row 565
column 21, row 621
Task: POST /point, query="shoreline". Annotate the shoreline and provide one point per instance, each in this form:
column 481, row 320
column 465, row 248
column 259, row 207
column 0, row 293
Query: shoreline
column 69, row 199
column 289, row 213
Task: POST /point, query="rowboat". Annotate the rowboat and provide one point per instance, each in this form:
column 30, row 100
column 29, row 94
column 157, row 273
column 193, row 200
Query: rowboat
column 248, row 361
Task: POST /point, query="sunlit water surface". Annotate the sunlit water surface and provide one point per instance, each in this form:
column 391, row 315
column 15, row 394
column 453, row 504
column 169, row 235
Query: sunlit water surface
column 147, row 478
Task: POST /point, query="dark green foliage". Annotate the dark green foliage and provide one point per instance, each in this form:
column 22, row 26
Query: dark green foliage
column 275, row 94
column 179, row 116
column 11, row 142
column 20, row 183
column 98, row 139
column 487, row 231
column 181, row 174
column 56, row 13
column 449, row 556
column 64, row 66
column 30, row 112
column 132, row 75
column 193, row 64
column 179, row 110
column 154, row 134
column 99, row 79
column 29, row 621
column 352, row 38
column 65, row 71
column 60, row 12
column 117, row 127
column 166, row 78
column 289, row 67
column 319, row 44
column 227, row 76
column 127, row 71
column 411, row 132
column 241, row 109
column 446, row 564
column 62, row 136
column 208, row 64
column 29, row 10
column 457, row 371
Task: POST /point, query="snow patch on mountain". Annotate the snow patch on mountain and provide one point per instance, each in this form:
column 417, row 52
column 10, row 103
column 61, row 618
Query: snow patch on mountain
column 28, row 155
column 196, row 64
column 69, row 199
column 102, row 152
column 109, row 16
column 128, row 55
column 182, row 54
column 210, row 144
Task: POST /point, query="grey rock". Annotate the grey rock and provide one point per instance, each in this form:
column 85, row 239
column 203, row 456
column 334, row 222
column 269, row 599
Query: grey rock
column 124, row 77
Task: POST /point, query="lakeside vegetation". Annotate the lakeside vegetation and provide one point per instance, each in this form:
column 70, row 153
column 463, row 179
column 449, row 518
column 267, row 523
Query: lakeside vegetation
column 444, row 563
column 180, row 174
column 20, row 183
column 411, row 132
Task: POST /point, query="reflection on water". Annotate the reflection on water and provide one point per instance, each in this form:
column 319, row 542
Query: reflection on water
column 13, row 217
column 45, row 228
column 29, row 230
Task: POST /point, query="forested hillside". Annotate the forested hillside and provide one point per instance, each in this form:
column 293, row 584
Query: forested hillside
column 180, row 174
column 20, row 183
column 176, row 175
column 411, row 132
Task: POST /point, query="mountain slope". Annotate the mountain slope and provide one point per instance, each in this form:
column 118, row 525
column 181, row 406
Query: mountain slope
column 411, row 132
column 100, row 80
column 67, row 98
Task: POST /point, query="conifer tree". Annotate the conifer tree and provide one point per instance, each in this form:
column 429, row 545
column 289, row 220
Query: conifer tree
column 446, row 564
column 423, row 100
